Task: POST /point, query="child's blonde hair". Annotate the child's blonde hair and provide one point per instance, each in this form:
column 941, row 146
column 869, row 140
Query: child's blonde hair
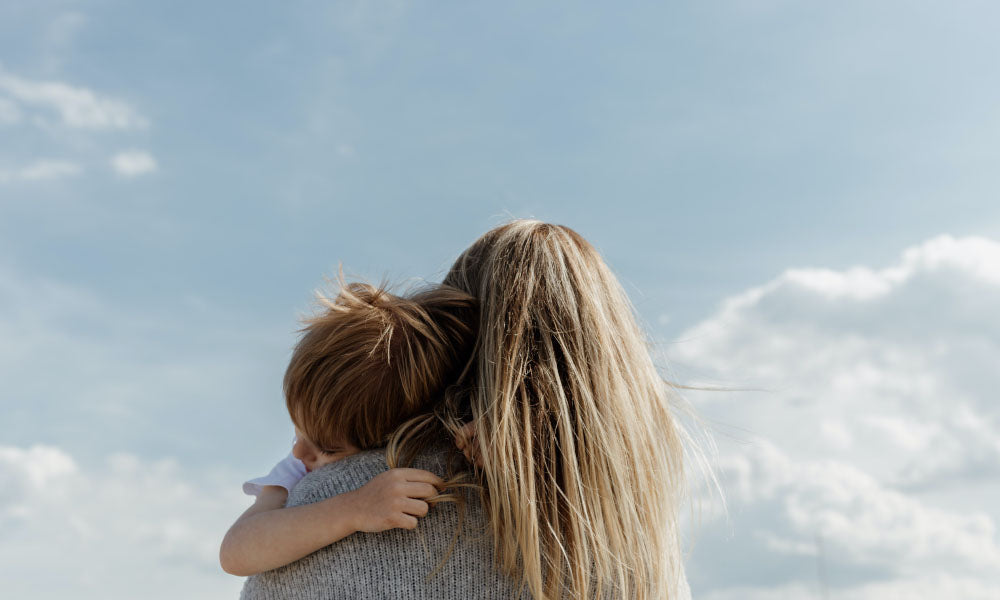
column 371, row 360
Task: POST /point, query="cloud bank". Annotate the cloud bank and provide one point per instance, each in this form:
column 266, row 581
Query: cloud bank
column 126, row 528
column 867, row 468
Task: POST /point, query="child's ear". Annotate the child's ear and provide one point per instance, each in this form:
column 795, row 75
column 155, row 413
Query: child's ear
column 465, row 439
column 468, row 430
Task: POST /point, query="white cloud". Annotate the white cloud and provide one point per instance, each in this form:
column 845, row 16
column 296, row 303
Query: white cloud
column 76, row 107
column 58, row 107
column 859, row 519
column 908, row 361
column 127, row 528
column 23, row 473
column 133, row 163
column 41, row 170
column 878, row 435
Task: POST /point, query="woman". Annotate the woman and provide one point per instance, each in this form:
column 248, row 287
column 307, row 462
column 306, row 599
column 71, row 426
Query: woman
column 579, row 460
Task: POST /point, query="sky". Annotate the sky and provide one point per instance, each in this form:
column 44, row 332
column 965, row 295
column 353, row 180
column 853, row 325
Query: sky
column 800, row 199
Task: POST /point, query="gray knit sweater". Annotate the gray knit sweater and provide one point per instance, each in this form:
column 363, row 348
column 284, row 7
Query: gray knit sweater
column 394, row 563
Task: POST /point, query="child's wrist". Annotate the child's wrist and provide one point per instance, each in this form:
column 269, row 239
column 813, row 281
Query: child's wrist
column 345, row 513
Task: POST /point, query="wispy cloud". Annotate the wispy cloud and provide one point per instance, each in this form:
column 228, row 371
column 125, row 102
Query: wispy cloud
column 69, row 113
column 75, row 107
column 132, row 163
column 41, row 170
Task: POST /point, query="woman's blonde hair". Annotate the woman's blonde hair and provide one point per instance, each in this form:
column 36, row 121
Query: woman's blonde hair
column 582, row 465
column 370, row 360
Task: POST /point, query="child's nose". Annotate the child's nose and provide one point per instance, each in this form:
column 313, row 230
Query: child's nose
column 300, row 451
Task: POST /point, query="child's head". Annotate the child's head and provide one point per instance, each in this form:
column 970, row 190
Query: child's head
column 372, row 360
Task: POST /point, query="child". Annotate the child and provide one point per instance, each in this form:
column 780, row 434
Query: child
column 367, row 364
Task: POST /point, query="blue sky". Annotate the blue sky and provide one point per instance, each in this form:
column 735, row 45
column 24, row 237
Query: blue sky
column 176, row 179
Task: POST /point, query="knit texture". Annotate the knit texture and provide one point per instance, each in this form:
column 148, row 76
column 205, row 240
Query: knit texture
column 396, row 563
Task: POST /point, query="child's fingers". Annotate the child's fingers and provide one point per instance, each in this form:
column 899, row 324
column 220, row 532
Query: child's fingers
column 420, row 490
column 407, row 521
column 421, row 476
column 417, row 508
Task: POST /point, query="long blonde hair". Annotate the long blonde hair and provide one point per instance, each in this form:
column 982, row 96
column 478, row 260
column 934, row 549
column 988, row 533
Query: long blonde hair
column 582, row 465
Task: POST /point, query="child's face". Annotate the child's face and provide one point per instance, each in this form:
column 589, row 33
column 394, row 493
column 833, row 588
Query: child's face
column 314, row 457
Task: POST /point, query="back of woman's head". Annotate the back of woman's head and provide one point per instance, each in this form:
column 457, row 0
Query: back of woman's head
column 581, row 457
column 371, row 360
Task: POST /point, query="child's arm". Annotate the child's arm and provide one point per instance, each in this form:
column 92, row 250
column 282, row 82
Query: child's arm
column 268, row 536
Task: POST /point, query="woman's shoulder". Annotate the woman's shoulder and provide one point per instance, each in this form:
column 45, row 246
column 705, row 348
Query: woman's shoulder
column 344, row 475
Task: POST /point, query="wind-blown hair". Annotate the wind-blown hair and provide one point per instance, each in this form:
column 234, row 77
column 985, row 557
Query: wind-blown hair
column 582, row 466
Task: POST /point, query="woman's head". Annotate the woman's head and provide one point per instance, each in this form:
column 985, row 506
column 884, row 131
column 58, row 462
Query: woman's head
column 371, row 360
column 581, row 457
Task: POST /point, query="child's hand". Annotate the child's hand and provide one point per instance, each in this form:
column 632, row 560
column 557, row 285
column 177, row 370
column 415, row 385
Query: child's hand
column 393, row 499
column 466, row 442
